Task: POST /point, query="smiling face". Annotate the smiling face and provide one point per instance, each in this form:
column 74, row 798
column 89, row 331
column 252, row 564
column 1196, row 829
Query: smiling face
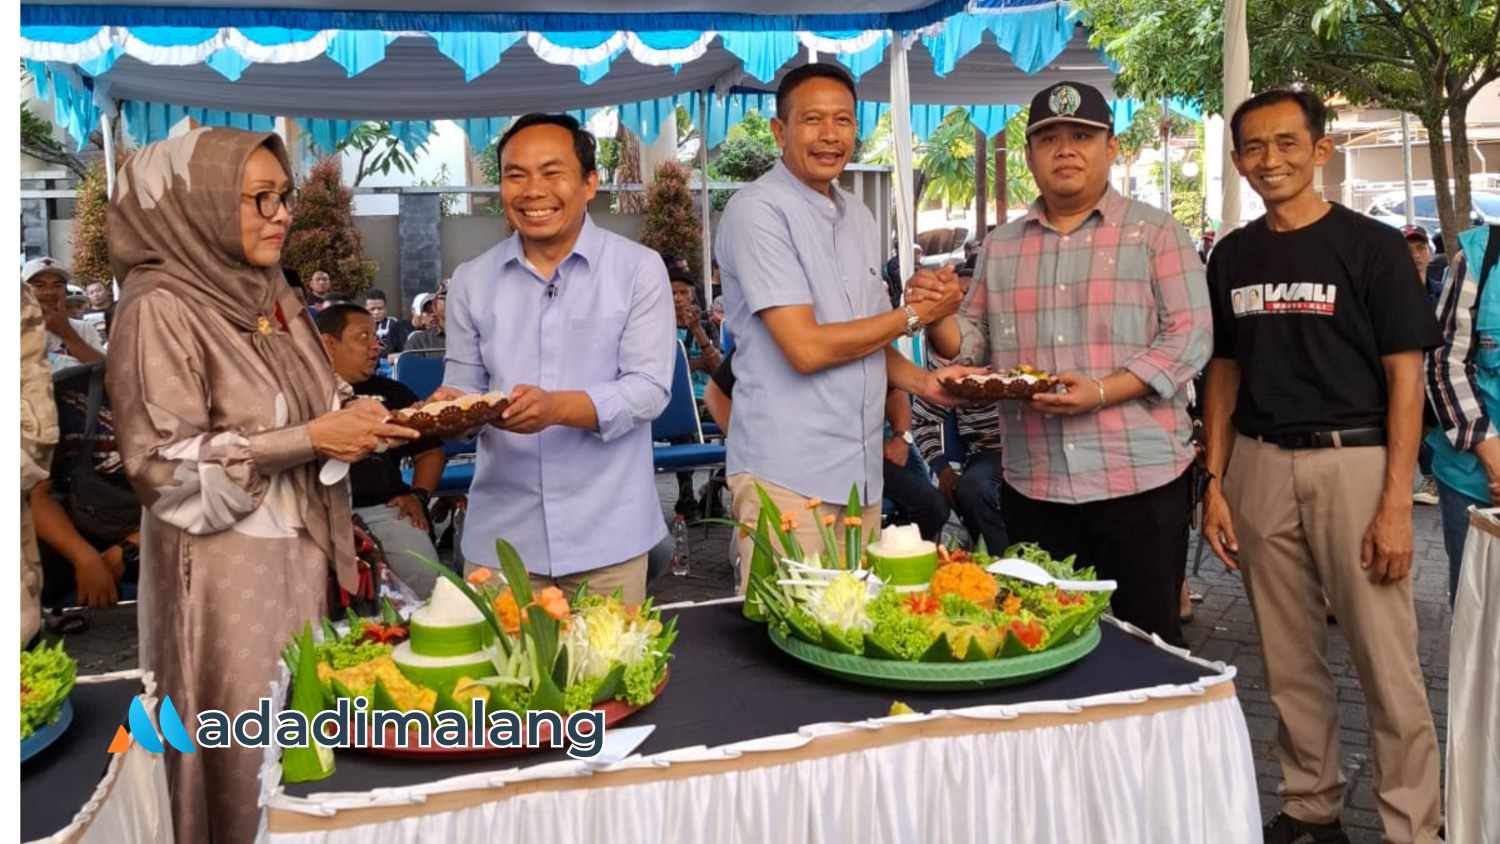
column 356, row 352
column 817, row 137
column 50, row 289
column 1276, row 153
column 543, row 186
column 260, row 238
column 1071, row 162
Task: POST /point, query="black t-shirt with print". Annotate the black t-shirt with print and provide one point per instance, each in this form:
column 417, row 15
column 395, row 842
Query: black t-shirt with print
column 377, row 478
column 1308, row 314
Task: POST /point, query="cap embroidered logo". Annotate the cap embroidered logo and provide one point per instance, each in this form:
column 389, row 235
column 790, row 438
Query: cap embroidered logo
column 1065, row 100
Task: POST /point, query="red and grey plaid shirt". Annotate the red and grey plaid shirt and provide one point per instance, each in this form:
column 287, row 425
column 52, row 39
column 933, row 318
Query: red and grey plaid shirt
column 1126, row 290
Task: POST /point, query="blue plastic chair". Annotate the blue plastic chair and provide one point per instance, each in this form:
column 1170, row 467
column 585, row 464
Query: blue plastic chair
column 680, row 422
column 423, row 374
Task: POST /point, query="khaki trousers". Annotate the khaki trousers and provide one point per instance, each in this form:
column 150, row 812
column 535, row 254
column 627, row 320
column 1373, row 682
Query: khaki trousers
column 745, row 506
column 629, row 577
column 1300, row 516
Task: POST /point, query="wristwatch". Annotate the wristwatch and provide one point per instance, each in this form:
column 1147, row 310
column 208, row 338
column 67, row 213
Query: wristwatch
column 905, row 436
column 913, row 322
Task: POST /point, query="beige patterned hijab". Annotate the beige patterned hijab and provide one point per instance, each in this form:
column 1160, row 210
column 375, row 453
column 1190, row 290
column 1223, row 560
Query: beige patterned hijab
column 174, row 225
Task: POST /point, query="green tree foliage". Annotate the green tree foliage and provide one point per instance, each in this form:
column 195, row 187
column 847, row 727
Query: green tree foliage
column 380, row 151
column 945, row 164
column 671, row 225
column 749, row 151
column 1426, row 57
column 1144, row 132
column 323, row 235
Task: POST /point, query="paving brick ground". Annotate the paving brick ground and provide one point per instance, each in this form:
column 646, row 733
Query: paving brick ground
column 1223, row 630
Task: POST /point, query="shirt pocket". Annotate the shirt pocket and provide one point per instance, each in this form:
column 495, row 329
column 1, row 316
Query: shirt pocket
column 594, row 343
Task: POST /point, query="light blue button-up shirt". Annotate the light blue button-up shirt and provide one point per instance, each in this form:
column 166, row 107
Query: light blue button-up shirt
column 569, row 500
column 782, row 243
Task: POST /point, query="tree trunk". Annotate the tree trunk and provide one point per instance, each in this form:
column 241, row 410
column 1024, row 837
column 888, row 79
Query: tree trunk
column 629, row 202
column 1463, row 203
column 1437, row 151
column 981, row 184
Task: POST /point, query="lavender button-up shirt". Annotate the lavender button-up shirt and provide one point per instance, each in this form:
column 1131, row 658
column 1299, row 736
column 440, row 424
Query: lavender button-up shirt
column 569, row 500
column 782, row 243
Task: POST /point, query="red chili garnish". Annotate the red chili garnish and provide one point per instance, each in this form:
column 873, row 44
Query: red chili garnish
column 1029, row 633
column 922, row 603
column 385, row 634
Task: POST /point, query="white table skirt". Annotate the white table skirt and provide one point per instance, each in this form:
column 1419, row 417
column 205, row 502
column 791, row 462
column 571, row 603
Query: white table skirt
column 1165, row 764
column 1474, row 688
column 131, row 804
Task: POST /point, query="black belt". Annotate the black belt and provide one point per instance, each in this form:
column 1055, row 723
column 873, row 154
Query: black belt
column 1346, row 438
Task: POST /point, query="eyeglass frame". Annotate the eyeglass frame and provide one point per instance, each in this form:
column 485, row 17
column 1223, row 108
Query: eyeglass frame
column 286, row 199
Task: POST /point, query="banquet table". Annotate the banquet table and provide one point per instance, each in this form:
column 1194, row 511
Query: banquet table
column 75, row 790
column 1474, row 687
column 1137, row 742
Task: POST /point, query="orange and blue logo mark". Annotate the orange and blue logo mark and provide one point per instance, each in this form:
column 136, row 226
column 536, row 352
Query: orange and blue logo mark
column 142, row 730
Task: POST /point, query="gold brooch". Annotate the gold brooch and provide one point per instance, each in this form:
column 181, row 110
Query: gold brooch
column 264, row 326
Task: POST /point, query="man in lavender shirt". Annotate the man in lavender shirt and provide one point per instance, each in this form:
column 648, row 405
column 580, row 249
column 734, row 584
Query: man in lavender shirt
column 577, row 324
column 813, row 323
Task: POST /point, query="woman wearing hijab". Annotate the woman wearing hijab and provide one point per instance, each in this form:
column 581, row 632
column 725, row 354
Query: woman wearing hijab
column 225, row 403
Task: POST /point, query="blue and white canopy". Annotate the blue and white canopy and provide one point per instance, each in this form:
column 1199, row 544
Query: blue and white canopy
column 331, row 68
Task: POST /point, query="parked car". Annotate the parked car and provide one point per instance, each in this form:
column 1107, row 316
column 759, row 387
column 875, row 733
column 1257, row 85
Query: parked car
column 1390, row 208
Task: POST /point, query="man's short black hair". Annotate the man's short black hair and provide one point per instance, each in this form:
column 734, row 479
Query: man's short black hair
column 333, row 319
column 374, row 293
column 584, row 145
column 1313, row 110
column 816, row 70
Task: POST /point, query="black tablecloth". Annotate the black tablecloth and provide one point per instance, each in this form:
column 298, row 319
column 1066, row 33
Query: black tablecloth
column 58, row 781
column 730, row 684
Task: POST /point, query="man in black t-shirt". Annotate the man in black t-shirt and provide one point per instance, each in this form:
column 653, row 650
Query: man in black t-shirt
column 1313, row 410
column 394, row 512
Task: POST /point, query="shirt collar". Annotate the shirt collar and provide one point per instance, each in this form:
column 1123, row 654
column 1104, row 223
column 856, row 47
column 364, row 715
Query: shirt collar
column 1110, row 208
column 830, row 207
column 588, row 245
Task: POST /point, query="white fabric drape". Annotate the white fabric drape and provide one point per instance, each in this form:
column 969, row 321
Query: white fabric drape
column 1236, row 91
column 1180, row 775
column 131, row 804
column 1474, row 688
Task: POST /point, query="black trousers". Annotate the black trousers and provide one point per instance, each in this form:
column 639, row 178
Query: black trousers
column 918, row 501
column 1139, row 540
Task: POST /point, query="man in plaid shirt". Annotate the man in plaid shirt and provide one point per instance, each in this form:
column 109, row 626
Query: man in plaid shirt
column 1110, row 294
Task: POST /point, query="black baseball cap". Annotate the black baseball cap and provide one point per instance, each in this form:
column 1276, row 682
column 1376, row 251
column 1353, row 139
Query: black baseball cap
column 1414, row 232
column 1069, row 102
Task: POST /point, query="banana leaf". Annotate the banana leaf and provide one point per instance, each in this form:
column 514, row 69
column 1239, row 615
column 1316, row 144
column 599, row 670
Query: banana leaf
column 388, row 614
column 875, row 650
column 560, row 668
column 356, row 623
column 330, row 633
column 839, row 644
column 610, row 685
column 312, row 761
column 762, row 567
column 342, row 691
column 852, row 535
column 1014, row 647
column 938, row 651
column 769, row 508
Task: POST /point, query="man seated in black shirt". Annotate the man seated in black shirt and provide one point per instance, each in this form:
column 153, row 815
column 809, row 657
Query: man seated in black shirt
column 395, row 513
column 390, row 331
column 85, row 555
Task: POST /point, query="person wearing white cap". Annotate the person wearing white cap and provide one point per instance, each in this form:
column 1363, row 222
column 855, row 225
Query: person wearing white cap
column 432, row 336
column 418, row 315
column 70, row 342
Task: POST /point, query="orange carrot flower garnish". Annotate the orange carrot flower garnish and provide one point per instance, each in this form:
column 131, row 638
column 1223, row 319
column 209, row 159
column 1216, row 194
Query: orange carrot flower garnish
column 507, row 612
column 479, row 576
column 553, row 602
column 828, row 520
column 814, row 503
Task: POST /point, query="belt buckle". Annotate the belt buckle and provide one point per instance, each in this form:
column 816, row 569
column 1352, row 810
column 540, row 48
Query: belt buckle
column 1338, row 441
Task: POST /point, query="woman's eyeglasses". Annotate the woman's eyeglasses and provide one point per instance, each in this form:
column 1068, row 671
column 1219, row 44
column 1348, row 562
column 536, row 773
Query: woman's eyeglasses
column 268, row 202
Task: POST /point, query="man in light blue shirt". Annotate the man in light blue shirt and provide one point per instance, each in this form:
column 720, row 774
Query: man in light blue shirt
column 813, row 322
column 577, row 324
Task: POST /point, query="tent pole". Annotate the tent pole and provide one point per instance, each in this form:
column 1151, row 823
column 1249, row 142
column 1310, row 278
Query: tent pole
column 708, row 249
column 106, row 128
column 1236, row 91
column 901, row 135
